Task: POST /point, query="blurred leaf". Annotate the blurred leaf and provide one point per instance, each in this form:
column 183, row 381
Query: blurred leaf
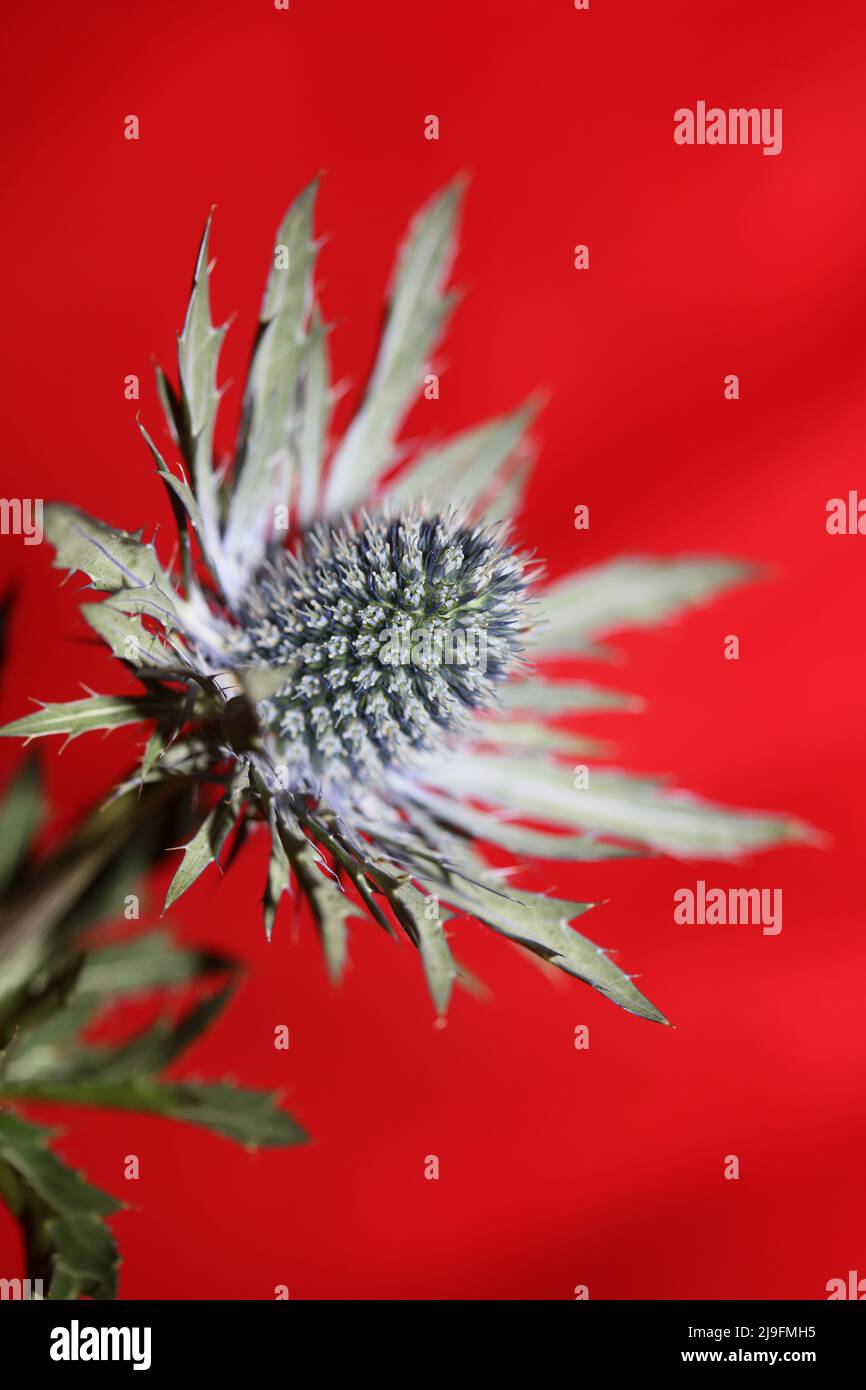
column 562, row 697
column 21, row 811
column 466, row 468
column 248, row 1117
column 627, row 592
column 315, row 412
column 417, row 311
column 61, row 1216
column 632, row 809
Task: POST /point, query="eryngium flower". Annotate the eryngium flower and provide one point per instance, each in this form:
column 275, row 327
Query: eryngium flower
column 357, row 669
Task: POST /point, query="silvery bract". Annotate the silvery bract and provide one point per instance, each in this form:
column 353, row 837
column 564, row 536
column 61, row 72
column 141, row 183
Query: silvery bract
column 350, row 648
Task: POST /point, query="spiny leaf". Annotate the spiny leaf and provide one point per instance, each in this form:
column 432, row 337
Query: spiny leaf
column 85, row 1260
column 417, row 310
column 329, row 904
column 627, row 592
column 113, row 559
column 125, row 634
column 198, row 350
column 75, row 717
column 203, row 849
column 423, row 921
column 248, row 1117
column 542, row 925
column 263, row 472
column 24, row 1147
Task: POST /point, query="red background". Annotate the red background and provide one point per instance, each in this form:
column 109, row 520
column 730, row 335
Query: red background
column 558, row 1167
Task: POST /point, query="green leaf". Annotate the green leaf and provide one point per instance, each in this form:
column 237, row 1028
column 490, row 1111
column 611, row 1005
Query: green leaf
column 125, row 634
column 76, row 717
column 113, row 559
column 20, row 814
column 315, row 413
column 142, row 963
column 413, row 912
column 631, row 809
column 563, row 697
column 628, row 592
column 24, row 1147
column 263, row 474
column 541, row 924
column 417, row 310
column 61, row 1215
column 86, row 1259
column 198, row 350
column 203, row 849
column 467, row 467
column 329, row 904
column 248, row 1117
column 183, row 503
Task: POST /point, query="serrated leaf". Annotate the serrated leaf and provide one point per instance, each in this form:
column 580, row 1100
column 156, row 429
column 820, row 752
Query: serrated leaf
column 140, row 964
column 86, row 1259
column 417, row 310
column 20, row 814
column 76, row 717
column 329, row 903
column 24, row 1147
column 183, row 503
column 125, row 634
column 62, row 1215
column 466, row 468
column 198, row 350
column 248, row 1117
column 112, row 559
column 263, row 472
column 542, row 925
column 428, row 934
column 627, row 592
column 631, row 809
column 203, row 849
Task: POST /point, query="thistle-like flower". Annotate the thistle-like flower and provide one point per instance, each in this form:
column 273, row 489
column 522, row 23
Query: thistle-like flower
column 350, row 648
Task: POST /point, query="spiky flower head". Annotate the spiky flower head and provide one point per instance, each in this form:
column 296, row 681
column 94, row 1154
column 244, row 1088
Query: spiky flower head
column 351, row 657
column 389, row 631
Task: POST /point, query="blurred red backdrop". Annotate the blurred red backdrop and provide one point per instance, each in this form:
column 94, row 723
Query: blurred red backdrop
column 558, row 1167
